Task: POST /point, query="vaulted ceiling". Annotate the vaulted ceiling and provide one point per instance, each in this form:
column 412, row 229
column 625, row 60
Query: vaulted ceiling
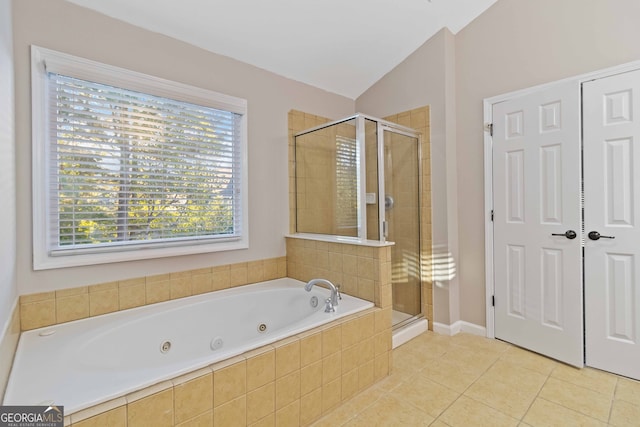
column 342, row 46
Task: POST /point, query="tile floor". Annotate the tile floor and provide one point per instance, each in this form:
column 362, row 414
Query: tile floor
column 467, row 380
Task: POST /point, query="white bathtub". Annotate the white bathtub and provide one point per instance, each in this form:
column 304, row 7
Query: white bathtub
column 83, row 363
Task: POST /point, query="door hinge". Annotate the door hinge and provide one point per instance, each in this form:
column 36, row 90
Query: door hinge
column 491, row 215
column 493, row 300
column 490, row 128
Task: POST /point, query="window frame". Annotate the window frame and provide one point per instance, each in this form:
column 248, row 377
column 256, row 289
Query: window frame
column 46, row 60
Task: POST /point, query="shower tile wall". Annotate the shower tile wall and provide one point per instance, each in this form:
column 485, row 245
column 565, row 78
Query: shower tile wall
column 299, row 121
column 50, row 308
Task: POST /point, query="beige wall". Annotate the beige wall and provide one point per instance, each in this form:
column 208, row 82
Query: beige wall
column 513, row 45
column 7, row 170
column 426, row 77
column 9, row 318
column 59, row 25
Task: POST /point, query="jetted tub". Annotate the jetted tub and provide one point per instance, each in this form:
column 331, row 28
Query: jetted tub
column 86, row 362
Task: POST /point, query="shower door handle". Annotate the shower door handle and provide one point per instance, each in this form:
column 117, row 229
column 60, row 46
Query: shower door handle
column 385, row 229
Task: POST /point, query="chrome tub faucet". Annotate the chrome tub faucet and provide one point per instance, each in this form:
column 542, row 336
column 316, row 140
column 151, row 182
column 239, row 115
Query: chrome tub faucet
column 331, row 302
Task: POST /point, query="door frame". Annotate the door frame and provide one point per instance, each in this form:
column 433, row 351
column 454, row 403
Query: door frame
column 488, row 170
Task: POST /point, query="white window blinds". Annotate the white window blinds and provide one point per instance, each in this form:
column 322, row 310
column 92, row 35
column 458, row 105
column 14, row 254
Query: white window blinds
column 126, row 168
column 347, row 160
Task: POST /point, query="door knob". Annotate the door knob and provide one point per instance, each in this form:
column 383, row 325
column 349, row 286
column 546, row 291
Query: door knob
column 569, row 234
column 594, row 235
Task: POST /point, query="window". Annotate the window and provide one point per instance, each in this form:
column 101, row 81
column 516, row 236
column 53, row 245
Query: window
column 125, row 161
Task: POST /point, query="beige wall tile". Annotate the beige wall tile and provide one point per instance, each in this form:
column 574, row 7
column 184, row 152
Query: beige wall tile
column 287, row 389
column 201, row 283
column 261, row 402
column 381, row 366
column 115, row 417
column 350, row 265
column 229, row 383
column 287, row 358
column 156, row 410
column 289, row 416
column 233, row 413
column 381, row 343
column 365, row 375
column 311, row 406
column 255, row 272
column 202, row 420
column 238, row 274
column 331, row 367
column 331, row 340
column 350, row 384
column 132, row 296
column 43, row 296
column 103, row 287
column 282, row 267
column 261, row 369
column 331, row 395
column 37, row 314
column 268, row 421
column 180, row 286
column 103, row 302
column 350, row 358
column 311, row 377
column 366, row 289
column 350, row 333
column 72, row 291
column 366, row 350
column 310, row 349
column 193, row 398
column 270, row 269
column 158, row 291
column 72, row 307
column 220, row 279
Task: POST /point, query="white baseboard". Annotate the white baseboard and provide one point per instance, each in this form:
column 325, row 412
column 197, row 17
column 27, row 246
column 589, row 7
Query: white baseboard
column 412, row 330
column 459, row 326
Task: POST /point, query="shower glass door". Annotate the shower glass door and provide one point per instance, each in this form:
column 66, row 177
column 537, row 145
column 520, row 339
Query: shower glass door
column 401, row 157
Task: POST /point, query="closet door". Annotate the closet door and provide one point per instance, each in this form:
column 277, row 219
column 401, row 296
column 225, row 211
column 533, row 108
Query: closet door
column 611, row 113
column 537, row 222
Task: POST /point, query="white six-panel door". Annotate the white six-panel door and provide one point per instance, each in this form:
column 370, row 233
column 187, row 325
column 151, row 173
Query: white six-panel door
column 611, row 111
column 536, row 183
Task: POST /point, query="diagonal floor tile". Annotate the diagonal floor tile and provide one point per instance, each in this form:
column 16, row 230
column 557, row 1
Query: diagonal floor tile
column 588, row 402
column 500, row 396
column 466, row 412
column 548, row 414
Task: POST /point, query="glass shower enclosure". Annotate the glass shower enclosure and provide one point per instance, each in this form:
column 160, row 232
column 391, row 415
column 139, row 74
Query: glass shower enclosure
column 359, row 178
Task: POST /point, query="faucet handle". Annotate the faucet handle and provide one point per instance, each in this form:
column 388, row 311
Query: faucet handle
column 338, row 291
column 329, row 306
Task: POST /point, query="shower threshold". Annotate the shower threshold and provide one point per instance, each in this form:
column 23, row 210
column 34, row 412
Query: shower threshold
column 408, row 329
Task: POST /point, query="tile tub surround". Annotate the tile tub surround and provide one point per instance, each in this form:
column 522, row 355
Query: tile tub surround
column 361, row 271
column 291, row 382
column 51, row 308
